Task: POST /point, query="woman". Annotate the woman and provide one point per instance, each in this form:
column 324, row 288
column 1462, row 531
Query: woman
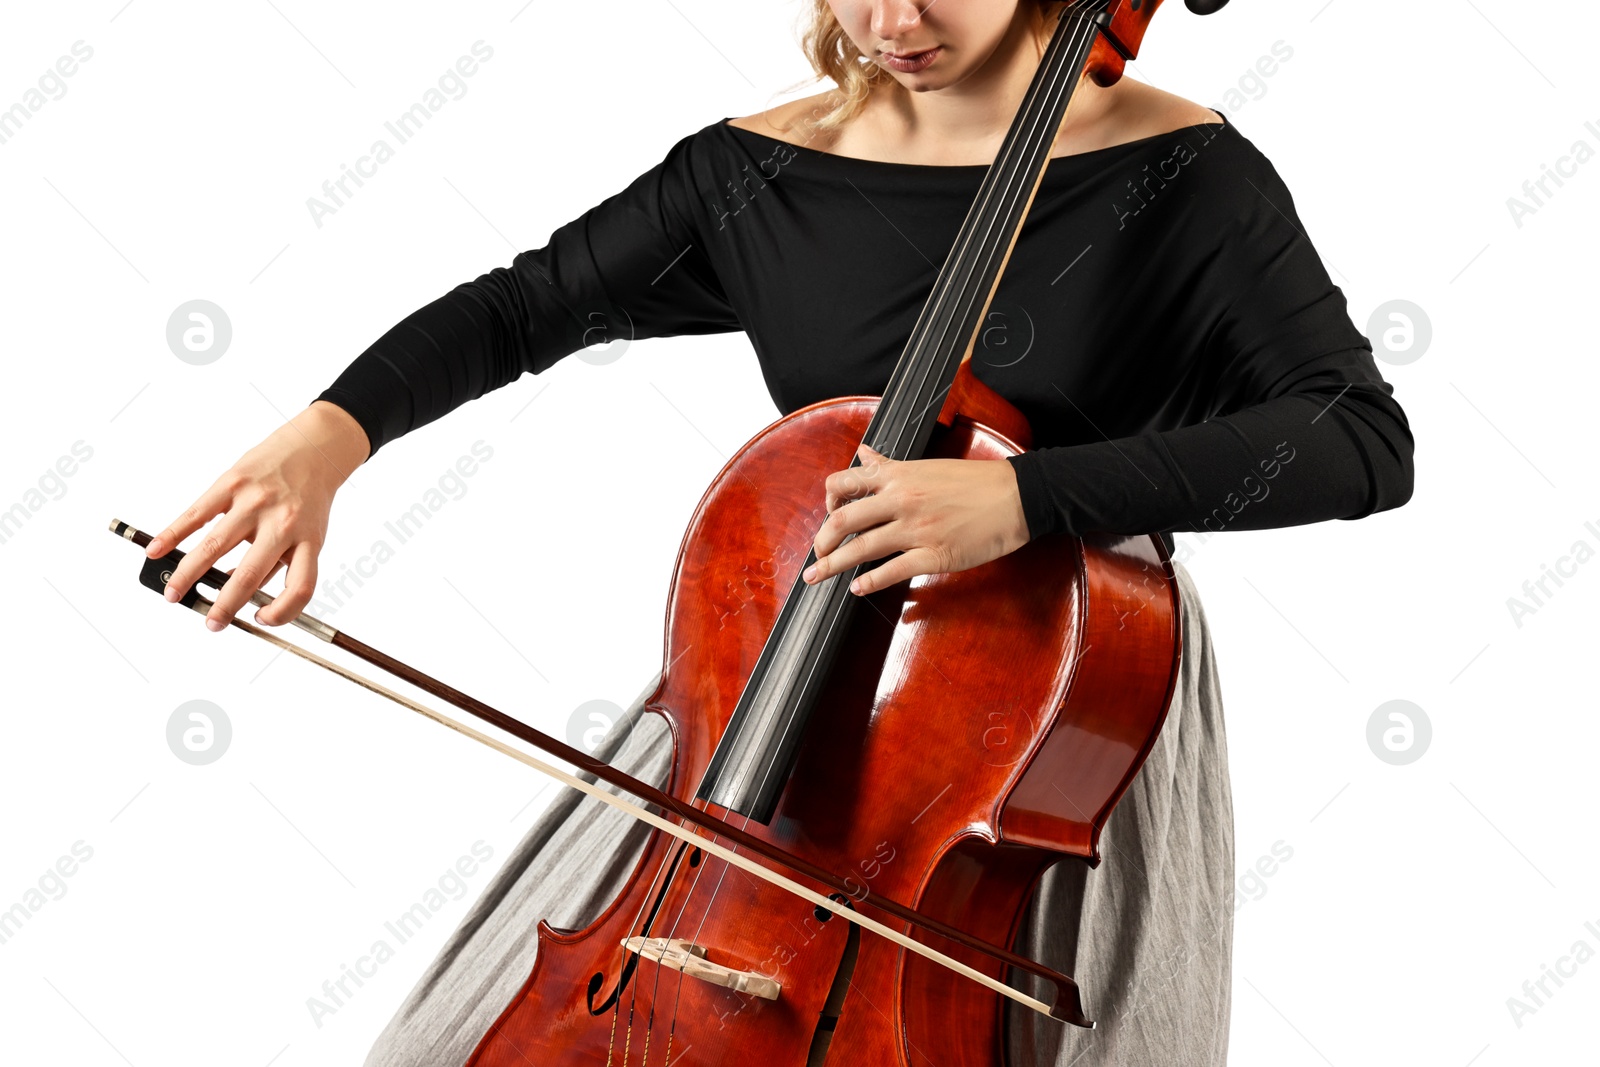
column 1164, row 323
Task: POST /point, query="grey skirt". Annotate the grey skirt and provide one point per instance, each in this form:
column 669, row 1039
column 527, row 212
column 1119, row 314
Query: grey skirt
column 1148, row 934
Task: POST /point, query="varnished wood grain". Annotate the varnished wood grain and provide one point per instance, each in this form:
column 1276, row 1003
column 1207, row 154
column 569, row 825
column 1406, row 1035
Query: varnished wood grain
column 926, row 774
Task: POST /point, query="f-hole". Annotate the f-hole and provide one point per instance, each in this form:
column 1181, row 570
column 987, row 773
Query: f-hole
column 597, row 980
column 822, row 1037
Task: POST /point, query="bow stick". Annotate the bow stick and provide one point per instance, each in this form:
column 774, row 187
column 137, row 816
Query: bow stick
column 1068, row 1006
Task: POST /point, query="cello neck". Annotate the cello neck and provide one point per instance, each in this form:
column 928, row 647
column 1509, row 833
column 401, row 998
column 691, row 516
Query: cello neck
column 752, row 762
column 948, row 324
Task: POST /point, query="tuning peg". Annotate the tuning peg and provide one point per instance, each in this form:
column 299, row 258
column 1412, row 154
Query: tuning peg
column 1206, row 7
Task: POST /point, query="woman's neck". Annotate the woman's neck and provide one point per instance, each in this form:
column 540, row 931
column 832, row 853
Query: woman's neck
column 966, row 122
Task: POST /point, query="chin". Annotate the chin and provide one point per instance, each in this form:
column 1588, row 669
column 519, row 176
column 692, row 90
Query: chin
column 927, row 81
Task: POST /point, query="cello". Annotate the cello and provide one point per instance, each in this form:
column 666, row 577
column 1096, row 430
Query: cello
column 915, row 758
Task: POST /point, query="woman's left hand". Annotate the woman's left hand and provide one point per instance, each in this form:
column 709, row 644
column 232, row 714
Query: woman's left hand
column 939, row 514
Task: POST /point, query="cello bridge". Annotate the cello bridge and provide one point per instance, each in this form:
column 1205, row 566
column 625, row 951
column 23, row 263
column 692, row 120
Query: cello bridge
column 680, row 955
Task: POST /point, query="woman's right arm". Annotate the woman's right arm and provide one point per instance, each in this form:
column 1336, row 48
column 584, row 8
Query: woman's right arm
column 633, row 266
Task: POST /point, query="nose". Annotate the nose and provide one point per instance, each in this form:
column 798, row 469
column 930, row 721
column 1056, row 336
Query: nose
column 893, row 19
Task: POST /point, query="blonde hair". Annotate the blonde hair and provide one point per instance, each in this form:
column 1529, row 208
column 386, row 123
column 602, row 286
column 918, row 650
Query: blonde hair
column 834, row 57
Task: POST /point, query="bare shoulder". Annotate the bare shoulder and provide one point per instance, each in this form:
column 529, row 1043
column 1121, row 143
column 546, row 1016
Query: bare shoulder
column 1128, row 111
column 790, row 121
column 1141, row 110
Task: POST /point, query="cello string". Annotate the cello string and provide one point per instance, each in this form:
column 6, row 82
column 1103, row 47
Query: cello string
column 677, row 998
column 951, row 301
column 950, row 306
column 956, row 294
column 672, row 930
column 1040, row 129
column 664, row 879
column 1006, row 187
column 1006, row 184
column 633, row 1003
column 951, row 291
column 1032, row 131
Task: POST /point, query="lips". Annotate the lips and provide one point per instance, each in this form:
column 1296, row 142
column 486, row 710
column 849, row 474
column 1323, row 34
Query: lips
column 910, row 62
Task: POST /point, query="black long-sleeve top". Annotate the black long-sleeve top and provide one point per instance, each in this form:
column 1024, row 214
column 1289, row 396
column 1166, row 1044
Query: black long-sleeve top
column 1164, row 323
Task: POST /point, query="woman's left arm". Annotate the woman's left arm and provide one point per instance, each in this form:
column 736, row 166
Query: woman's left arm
column 1301, row 428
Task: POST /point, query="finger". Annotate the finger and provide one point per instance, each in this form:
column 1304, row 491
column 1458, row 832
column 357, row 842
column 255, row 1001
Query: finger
column 844, row 486
column 853, row 482
column 905, row 566
column 297, row 588
column 251, row 574
column 276, row 567
column 212, row 502
column 859, row 515
column 863, row 548
column 212, row 547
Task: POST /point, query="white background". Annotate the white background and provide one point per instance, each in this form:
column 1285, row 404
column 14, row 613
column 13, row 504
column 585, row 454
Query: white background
column 218, row 898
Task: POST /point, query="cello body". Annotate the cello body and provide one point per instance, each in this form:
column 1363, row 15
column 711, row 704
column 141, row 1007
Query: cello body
column 975, row 727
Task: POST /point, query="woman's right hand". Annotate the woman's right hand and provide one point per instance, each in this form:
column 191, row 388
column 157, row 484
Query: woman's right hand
column 277, row 497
